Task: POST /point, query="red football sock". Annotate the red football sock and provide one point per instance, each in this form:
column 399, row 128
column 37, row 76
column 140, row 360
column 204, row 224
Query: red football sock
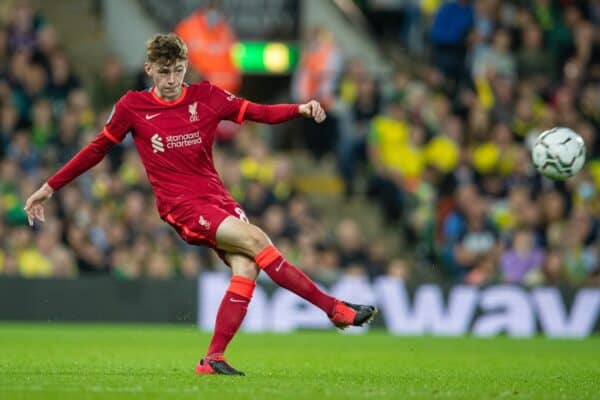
column 231, row 313
column 290, row 277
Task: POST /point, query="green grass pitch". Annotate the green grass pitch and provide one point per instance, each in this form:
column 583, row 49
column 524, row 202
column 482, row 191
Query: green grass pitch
column 89, row 361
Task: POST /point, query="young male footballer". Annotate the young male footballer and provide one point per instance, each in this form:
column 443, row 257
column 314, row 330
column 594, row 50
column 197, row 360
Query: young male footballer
column 173, row 126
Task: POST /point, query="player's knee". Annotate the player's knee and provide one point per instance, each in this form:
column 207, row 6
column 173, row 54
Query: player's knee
column 256, row 240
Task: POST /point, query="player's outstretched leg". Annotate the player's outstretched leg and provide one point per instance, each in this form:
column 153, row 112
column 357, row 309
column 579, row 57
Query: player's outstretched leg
column 287, row 275
column 238, row 237
column 230, row 315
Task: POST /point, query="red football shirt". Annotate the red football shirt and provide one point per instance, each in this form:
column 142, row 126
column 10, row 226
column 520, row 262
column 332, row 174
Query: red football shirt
column 174, row 139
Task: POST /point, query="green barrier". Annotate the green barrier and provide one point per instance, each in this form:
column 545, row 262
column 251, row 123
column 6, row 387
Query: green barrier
column 98, row 299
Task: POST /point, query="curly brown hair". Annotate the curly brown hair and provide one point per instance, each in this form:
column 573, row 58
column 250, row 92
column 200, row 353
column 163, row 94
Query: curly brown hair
column 165, row 49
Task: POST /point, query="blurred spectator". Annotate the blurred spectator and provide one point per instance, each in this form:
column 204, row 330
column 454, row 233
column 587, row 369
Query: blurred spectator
column 43, row 130
column 419, row 224
column 360, row 101
column 158, row 266
column 69, row 130
column 329, row 267
column 284, row 185
column 496, row 60
column 274, row 222
column 318, row 72
column 476, row 243
column 319, row 69
column 580, row 245
column 22, row 153
column 442, row 151
column 552, row 269
column 62, row 81
column 111, row 84
column 353, row 72
column 22, row 27
column 486, row 22
column 124, row 264
column 533, row 61
column 89, row 257
column 8, row 264
column 350, row 245
column 78, row 103
column 388, row 134
column 257, row 199
column 210, row 42
column 400, row 269
column 4, row 51
column 191, row 265
column 522, row 261
column 9, row 192
column 46, row 46
column 449, row 31
column 554, row 213
column 17, row 69
column 377, row 258
column 33, row 86
column 258, row 164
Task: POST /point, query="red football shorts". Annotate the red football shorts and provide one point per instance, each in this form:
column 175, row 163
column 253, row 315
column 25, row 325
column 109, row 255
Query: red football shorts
column 197, row 222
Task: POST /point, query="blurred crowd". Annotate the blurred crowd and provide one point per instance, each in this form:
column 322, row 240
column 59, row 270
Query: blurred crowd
column 443, row 143
column 441, row 146
column 447, row 149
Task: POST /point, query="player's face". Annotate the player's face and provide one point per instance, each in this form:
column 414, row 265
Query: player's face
column 167, row 78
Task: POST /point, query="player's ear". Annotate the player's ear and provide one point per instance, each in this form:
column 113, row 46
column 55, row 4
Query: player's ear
column 147, row 68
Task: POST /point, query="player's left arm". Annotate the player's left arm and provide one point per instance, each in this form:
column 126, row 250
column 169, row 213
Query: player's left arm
column 233, row 108
column 274, row 114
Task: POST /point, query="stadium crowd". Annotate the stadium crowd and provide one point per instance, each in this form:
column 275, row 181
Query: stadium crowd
column 442, row 146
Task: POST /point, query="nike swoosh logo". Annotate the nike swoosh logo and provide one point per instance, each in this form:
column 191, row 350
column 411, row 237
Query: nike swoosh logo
column 231, row 299
column 150, row 116
column 279, row 266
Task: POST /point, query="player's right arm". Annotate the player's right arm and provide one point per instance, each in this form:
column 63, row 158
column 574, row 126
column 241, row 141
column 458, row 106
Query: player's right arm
column 113, row 132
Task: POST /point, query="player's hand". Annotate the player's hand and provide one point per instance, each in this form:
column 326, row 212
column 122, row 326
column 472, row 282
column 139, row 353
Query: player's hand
column 33, row 205
column 313, row 109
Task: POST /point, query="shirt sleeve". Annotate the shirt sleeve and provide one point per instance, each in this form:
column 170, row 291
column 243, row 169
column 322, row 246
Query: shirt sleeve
column 227, row 106
column 115, row 129
column 236, row 109
column 89, row 156
column 271, row 114
column 118, row 124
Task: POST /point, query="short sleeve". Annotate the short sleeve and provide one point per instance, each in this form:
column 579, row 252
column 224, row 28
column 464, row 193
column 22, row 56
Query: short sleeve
column 227, row 105
column 118, row 123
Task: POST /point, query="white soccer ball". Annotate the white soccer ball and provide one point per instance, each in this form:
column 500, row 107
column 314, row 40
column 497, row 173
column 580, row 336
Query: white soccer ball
column 558, row 153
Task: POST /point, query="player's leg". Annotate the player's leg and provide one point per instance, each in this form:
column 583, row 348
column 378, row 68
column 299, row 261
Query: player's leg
column 230, row 315
column 235, row 302
column 239, row 237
